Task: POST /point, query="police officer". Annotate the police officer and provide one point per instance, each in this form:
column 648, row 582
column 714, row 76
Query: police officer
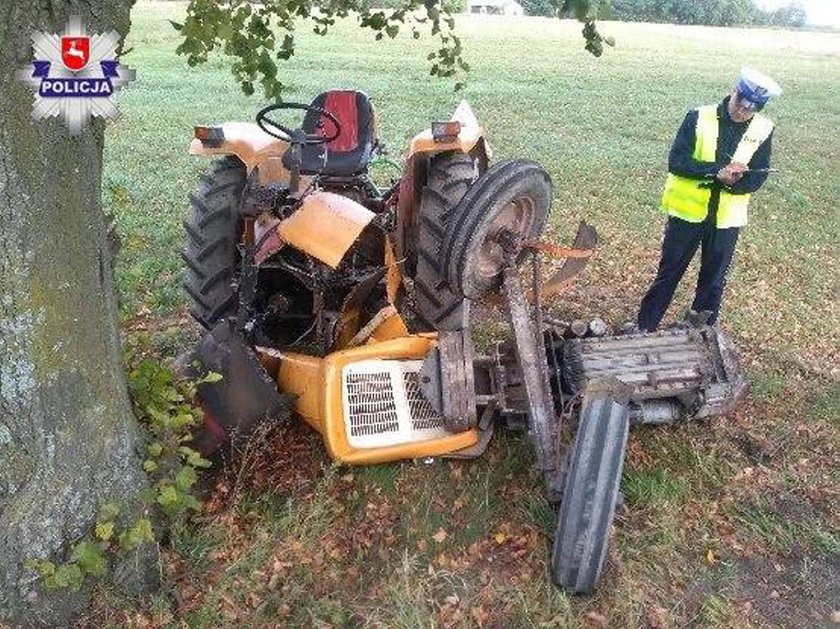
column 720, row 156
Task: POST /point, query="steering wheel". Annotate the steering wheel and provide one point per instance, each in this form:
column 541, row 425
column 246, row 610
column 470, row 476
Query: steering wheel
column 296, row 136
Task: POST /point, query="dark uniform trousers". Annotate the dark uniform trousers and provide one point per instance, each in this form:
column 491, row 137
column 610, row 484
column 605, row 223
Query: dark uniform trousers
column 679, row 245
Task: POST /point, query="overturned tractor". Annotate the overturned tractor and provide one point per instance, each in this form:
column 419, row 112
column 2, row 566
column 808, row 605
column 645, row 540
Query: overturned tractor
column 349, row 305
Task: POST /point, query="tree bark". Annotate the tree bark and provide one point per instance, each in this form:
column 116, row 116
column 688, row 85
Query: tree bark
column 67, row 435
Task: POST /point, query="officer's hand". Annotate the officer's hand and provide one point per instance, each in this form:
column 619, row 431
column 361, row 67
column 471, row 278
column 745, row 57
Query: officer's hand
column 731, row 173
column 737, row 169
column 725, row 176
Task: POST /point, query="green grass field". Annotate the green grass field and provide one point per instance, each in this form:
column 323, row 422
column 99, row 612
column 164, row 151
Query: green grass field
column 709, row 536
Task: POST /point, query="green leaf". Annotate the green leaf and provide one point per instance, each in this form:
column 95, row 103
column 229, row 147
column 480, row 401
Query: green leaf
column 104, row 530
column 66, row 575
column 44, row 568
column 154, row 449
column 138, row 534
column 90, row 558
column 185, row 478
column 212, row 376
column 167, row 496
column 193, row 457
column 149, row 466
column 109, row 511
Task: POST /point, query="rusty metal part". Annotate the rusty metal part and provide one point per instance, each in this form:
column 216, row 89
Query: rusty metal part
column 534, row 369
column 325, row 226
column 559, row 251
column 393, row 276
column 447, row 380
column 586, row 239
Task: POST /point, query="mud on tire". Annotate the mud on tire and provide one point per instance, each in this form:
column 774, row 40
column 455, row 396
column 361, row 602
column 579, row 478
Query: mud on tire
column 213, row 232
column 589, row 498
column 450, row 175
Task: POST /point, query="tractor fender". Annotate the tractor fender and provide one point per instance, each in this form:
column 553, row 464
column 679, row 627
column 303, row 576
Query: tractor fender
column 245, row 140
column 470, row 137
column 325, row 226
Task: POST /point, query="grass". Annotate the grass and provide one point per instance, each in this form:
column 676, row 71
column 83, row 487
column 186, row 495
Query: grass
column 295, row 542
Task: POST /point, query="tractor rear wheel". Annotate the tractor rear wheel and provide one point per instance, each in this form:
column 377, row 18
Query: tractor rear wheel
column 590, row 494
column 213, row 233
column 450, row 175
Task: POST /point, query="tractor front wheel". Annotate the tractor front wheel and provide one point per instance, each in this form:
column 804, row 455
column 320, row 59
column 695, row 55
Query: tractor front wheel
column 590, row 494
column 510, row 200
column 213, row 233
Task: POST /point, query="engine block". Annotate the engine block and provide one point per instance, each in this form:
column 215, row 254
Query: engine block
column 676, row 373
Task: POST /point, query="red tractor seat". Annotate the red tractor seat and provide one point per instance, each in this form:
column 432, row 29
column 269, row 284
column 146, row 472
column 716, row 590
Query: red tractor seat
column 350, row 153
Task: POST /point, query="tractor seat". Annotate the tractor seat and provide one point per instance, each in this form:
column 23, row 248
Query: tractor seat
column 350, row 153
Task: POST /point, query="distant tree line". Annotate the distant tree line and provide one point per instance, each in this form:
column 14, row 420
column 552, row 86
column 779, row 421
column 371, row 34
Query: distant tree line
column 707, row 12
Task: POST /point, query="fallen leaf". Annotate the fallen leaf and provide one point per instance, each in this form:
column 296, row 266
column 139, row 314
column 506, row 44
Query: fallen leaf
column 480, row 615
column 439, row 536
column 500, row 537
column 596, row 618
column 710, row 557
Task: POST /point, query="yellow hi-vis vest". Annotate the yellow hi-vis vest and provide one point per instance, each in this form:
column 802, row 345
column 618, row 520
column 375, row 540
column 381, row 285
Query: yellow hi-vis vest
column 688, row 199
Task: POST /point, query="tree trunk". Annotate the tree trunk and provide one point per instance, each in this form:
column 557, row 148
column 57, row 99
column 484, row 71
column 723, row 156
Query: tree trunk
column 67, row 434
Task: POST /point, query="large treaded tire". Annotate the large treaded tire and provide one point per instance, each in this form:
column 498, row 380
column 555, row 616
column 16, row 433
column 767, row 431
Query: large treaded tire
column 213, row 233
column 514, row 195
column 590, row 494
column 450, row 176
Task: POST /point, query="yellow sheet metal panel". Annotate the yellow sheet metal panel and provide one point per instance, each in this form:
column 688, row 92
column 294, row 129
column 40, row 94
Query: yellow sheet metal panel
column 334, row 433
column 325, row 226
column 391, row 327
column 300, row 375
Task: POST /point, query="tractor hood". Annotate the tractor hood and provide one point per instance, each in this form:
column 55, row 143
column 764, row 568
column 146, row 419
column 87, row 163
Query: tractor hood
column 325, row 226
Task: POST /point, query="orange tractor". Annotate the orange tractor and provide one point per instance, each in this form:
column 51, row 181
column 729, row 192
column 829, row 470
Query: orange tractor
column 348, row 305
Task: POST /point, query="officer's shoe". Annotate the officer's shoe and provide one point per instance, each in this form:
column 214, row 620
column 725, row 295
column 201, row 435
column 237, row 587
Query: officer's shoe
column 695, row 319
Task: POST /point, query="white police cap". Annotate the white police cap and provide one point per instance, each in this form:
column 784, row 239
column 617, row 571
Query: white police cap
column 756, row 88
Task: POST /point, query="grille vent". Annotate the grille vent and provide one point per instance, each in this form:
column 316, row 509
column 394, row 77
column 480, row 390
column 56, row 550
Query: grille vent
column 383, row 405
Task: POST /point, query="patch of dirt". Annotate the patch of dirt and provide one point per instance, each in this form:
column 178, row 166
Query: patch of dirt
column 795, row 590
column 792, row 591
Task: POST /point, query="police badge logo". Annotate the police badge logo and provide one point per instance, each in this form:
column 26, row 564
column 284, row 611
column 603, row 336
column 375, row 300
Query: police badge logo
column 75, row 75
column 75, row 52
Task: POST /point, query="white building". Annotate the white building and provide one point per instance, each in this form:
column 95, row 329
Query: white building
column 495, row 7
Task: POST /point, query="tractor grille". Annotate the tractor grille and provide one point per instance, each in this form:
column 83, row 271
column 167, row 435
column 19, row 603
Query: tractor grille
column 383, row 405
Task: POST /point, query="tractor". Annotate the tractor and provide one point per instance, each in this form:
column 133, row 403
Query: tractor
column 347, row 304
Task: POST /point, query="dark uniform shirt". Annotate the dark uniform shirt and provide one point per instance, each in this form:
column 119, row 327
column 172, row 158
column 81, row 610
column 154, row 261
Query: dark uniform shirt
column 681, row 162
